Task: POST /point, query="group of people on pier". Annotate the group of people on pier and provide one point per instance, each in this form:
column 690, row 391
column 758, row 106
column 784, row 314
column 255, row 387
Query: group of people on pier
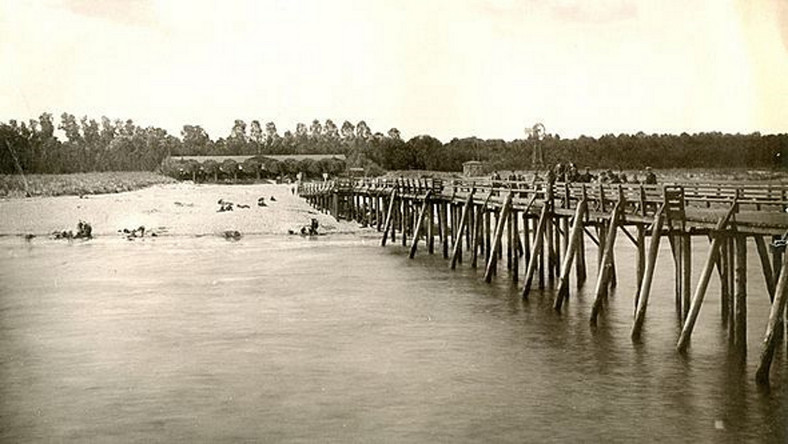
column 569, row 173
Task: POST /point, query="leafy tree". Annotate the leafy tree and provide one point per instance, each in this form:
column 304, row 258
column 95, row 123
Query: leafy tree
column 348, row 131
column 195, row 140
column 362, row 131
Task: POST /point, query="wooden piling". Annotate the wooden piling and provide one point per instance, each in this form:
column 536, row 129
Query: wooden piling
column 463, row 222
column 569, row 256
column 605, row 270
column 700, row 291
column 389, row 217
column 640, row 266
column 458, row 239
column 444, row 229
column 487, row 235
column 675, row 251
column 766, row 266
column 491, row 264
column 526, row 237
column 515, row 239
column 538, row 250
column 431, row 228
column 580, row 258
column 404, row 217
column 686, row 274
column 509, row 241
column 722, row 269
column 651, row 264
column 477, row 235
column 551, row 259
column 769, row 343
column 740, row 338
column 417, row 231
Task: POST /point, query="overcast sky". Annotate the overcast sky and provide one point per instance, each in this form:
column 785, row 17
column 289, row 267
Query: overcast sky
column 447, row 68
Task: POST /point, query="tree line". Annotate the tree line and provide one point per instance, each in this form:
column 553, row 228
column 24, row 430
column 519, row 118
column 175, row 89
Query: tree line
column 121, row 145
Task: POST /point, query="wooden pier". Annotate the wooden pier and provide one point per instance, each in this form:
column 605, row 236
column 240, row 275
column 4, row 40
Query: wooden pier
column 540, row 229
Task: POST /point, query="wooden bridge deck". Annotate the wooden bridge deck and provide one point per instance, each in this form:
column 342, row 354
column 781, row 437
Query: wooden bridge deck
column 545, row 224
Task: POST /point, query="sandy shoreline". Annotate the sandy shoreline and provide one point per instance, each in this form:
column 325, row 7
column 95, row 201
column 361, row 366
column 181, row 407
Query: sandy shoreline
column 172, row 209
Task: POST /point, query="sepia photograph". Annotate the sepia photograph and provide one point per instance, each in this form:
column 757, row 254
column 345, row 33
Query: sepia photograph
column 380, row 221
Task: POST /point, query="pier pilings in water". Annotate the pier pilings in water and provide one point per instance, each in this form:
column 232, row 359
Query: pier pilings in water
column 540, row 229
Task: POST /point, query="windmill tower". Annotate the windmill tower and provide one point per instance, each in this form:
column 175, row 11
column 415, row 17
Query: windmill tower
column 536, row 134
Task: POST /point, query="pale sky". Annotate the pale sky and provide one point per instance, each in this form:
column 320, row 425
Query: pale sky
column 449, row 68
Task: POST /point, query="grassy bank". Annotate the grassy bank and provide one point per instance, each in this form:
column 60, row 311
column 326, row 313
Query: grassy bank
column 13, row 185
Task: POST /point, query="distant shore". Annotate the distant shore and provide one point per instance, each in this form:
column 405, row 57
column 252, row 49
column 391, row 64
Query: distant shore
column 170, row 209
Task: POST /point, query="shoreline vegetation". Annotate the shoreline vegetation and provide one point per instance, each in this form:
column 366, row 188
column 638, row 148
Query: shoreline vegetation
column 85, row 144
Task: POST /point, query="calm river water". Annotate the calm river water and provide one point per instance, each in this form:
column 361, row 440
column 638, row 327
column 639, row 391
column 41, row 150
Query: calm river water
column 336, row 339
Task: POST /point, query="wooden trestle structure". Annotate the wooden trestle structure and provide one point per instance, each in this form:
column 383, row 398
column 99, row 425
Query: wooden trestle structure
column 542, row 227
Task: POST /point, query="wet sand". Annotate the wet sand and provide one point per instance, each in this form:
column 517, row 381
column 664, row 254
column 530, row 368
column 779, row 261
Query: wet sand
column 172, row 209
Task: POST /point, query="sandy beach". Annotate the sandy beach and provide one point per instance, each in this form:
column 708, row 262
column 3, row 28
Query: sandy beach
column 181, row 209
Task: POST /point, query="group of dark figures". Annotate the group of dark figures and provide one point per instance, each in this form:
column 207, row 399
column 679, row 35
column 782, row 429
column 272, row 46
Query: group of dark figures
column 226, row 205
column 84, row 231
column 307, row 230
column 569, row 173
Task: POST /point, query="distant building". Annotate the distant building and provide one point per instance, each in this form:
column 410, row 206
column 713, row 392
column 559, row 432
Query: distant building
column 356, row 172
column 279, row 157
column 472, row 168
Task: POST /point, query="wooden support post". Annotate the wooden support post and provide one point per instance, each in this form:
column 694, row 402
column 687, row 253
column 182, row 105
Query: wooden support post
column 777, row 257
column 459, row 237
column 551, row 257
column 601, row 234
column 675, row 250
column 378, row 212
column 463, row 222
column 477, row 235
column 492, row 263
column 651, row 264
column 468, row 232
column 686, row 275
column 487, row 235
column 722, row 269
column 604, row 273
column 740, row 335
column 565, row 243
column 541, row 253
column 538, row 250
column 431, row 228
column 515, row 238
column 775, row 319
column 766, row 266
column 389, row 218
column 419, row 223
column 526, row 238
column 444, row 228
column 640, row 266
column 580, row 268
column 700, row 291
column 404, row 221
column 571, row 248
column 498, row 216
column 731, row 250
column 509, row 241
